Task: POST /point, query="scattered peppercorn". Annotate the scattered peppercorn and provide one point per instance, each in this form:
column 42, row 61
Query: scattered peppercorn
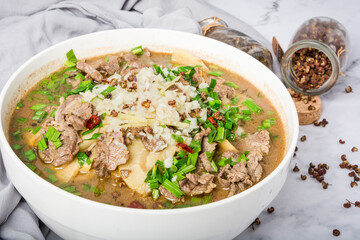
column 347, row 204
column 357, row 203
column 296, row 168
column 343, row 157
column 114, row 113
column 303, row 138
column 341, row 141
column 303, row 177
column 354, row 149
column 296, row 149
column 324, row 184
column 270, row 210
column 322, row 123
column 348, row 89
column 353, row 184
column 311, row 108
column 172, row 102
column 336, row 232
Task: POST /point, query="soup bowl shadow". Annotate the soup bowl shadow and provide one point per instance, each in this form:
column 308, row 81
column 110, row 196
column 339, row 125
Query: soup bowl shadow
column 73, row 217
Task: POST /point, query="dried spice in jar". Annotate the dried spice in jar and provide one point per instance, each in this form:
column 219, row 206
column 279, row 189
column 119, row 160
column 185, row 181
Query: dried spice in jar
column 216, row 28
column 316, row 56
column 312, row 68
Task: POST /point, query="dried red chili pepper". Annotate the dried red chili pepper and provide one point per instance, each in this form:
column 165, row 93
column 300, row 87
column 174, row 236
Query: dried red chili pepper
column 136, row 204
column 92, row 122
column 185, row 147
column 213, row 122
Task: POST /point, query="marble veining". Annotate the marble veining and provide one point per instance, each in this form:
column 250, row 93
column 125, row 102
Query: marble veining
column 303, row 210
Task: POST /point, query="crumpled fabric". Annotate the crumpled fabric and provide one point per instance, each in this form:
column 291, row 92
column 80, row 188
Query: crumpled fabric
column 28, row 27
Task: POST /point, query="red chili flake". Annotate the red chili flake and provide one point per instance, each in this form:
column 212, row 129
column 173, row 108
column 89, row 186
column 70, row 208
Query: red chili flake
column 213, row 122
column 185, row 147
column 136, row 204
column 92, row 121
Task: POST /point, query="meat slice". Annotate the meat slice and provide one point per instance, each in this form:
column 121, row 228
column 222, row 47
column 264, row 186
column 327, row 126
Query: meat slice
column 222, row 90
column 154, row 145
column 195, row 184
column 259, row 145
column 168, row 195
column 112, row 66
column 203, row 133
column 109, row 152
column 238, row 173
column 204, row 163
column 90, row 70
column 66, row 152
column 74, row 112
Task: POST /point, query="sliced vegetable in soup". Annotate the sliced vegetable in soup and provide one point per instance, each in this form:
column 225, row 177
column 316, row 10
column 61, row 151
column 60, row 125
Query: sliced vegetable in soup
column 143, row 129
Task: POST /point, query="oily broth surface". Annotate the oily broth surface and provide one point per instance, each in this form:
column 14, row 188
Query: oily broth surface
column 112, row 190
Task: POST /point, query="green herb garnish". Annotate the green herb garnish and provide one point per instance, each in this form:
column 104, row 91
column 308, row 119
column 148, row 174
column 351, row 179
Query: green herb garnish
column 71, row 59
column 94, row 136
column 38, row 106
column 216, row 73
column 249, row 103
column 137, row 50
column 83, row 158
column 108, row 90
column 231, row 84
column 30, row 155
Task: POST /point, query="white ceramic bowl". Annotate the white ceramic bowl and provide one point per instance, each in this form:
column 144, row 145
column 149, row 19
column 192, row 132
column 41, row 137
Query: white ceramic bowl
column 74, row 217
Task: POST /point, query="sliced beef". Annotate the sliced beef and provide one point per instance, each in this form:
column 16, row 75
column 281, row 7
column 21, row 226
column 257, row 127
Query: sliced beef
column 168, row 195
column 90, row 70
column 259, row 145
column 109, row 152
column 222, row 90
column 112, row 66
column 154, row 145
column 229, row 175
column 203, row 161
column 74, row 83
column 74, row 112
column 70, row 146
column 203, row 133
column 195, row 184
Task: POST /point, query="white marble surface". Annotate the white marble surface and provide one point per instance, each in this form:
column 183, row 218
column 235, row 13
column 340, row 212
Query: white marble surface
column 303, row 210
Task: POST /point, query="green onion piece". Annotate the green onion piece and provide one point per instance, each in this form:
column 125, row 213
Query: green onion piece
column 207, row 199
column 79, row 75
column 177, row 138
column 36, row 130
column 94, row 136
column 29, row 165
column 231, row 84
column 187, row 121
column 88, row 131
column 215, row 103
column 21, row 120
column 39, row 115
column 220, row 136
column 212, row 83
column 196, row 200
column 216, row 73
column 228, row 125
column 155, row 194
column 83, row 87
column 86, row 187
column 16, row 133
column 17, row 146
column 108, row 90
column 83, row 158
column 52, row 114
column 243, row 157
column 249, row 103
column 137, row 50
column 30, row 155
column 19, row 105
column 192, row 158
column 195, row 145
column 52, row 178
column 243, row 135
column 49, row 170
column 234, row 100
column 71, row 59
column 52, row 134
column 107, row 59
column 186, row 169
column 173, row 188
column 213, row 165
column 153, row 183
column 224, row 161
column 38, row 106
column 96, row 190
column 57, row 143
column 42, row 144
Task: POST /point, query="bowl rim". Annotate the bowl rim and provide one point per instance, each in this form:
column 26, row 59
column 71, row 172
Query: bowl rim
column 5, row 145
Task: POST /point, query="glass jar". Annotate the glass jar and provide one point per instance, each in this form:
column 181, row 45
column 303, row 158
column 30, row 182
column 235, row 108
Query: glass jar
column 319, row 35
column 216, row 28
